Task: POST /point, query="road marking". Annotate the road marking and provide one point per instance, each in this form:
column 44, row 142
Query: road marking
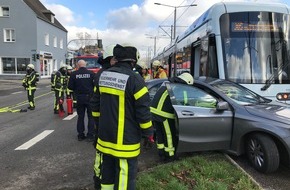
column 35, row 140
column 17, row 92
column 70, row 116
column 26, row 102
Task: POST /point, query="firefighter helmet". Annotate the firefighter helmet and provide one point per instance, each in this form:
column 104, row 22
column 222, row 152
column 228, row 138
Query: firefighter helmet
column 63, row 66
column 68, row 67
column 126, row 52
column 108, row 51
column 142, row 64
column 187, row 78
column 156, row 63
column 31, row 66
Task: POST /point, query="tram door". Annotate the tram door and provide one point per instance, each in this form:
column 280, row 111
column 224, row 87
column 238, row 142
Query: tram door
column 195, row 59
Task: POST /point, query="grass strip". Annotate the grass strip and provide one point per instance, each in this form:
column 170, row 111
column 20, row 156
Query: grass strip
column 207, row 171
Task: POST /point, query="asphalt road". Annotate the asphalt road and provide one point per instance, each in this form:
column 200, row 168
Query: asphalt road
column 59, row 160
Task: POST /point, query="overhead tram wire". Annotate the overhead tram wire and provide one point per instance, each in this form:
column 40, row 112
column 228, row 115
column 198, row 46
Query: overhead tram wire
column 168, row 26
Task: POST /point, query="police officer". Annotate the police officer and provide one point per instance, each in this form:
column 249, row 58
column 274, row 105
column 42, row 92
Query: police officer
column 81, row 82
column 59, row 85
column 29, row 83
column 124, row 114
column 107, row 61
column 164, row 119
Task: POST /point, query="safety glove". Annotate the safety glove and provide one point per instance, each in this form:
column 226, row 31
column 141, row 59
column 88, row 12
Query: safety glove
column 149, row 142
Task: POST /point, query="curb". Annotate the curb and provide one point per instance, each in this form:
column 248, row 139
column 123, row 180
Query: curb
column 240, row 168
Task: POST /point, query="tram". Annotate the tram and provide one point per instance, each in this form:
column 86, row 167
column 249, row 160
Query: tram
column 244, row 42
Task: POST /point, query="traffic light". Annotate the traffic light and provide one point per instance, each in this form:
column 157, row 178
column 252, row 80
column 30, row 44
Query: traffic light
column 33, row 57
column 37, row 56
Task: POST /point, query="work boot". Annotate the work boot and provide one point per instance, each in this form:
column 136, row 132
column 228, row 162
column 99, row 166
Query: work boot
column 90, row 138
column 97, row 183
column 81, row 137
column 31, row 108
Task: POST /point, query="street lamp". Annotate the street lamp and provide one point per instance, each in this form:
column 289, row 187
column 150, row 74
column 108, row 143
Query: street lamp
column 175, row 7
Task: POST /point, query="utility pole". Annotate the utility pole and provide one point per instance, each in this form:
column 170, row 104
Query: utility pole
column 174, row 21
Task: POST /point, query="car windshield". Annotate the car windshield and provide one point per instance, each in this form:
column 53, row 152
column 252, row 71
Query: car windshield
column 239, row 94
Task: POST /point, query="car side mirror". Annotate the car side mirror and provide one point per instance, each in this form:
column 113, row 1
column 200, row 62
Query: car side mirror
column 222, row 106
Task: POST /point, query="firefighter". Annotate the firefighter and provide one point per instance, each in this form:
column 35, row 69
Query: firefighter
column 29, row 83
column 69, row 93
column 158, row 70
column 81, row 82
column 164, row 119
column 107, row 61
column 123, row 102
column 144, row 71
column 59, row 85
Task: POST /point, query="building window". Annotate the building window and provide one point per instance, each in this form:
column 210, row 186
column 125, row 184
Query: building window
column 54, row 41
column 22, row 64
column 8, row 65
column 4, row 11
column 61, row 43
column 9, row 35
column 46, row 39
column 52, row 18
column 13, row 65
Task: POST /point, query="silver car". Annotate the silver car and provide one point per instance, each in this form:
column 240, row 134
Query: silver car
column 222, row 115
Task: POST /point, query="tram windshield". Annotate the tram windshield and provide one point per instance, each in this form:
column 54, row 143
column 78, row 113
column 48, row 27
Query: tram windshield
column 256, row 47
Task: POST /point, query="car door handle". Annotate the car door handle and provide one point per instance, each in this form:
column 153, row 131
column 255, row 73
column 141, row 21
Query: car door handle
column 187, row 113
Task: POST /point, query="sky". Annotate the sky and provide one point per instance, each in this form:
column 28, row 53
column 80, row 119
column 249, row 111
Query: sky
column 137, row 22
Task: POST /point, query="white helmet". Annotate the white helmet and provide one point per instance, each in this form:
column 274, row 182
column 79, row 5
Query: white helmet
column 142, row 64
column 108, row 51
column 69, row 67
column 187, row 78
column 30, row 66
column 63, row 66
column 156, row 63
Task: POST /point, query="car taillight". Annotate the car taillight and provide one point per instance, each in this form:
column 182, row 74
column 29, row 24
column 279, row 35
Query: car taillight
column 283, row 96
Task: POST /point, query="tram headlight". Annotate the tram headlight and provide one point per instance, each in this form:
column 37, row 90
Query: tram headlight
column 283, row 96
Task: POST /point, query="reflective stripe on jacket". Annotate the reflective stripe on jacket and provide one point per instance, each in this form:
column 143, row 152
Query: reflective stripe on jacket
column 161, row 107
column 123, row 112
column 30, row 81
column 59, row 81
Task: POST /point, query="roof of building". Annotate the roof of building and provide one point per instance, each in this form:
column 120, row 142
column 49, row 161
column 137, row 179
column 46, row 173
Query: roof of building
column 42, row 13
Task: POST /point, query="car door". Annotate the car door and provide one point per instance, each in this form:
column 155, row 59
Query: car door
column 200, row 126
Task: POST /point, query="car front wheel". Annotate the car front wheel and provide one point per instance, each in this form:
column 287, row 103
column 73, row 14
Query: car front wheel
column 262, row 153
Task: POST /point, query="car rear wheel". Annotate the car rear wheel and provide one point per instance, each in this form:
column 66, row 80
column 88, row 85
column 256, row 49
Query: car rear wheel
column 262, row 153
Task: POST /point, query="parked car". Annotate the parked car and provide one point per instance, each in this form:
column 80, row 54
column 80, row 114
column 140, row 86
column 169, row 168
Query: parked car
column 225, row 116
column 153, row 85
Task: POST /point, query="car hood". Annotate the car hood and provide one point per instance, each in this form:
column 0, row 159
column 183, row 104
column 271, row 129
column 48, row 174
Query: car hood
column 275, row 112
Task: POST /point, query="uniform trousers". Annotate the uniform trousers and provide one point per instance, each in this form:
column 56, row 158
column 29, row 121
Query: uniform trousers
column 166, row 137
column 59, row 94
column 30, row 96
column 118, row 173
column 83, row 105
